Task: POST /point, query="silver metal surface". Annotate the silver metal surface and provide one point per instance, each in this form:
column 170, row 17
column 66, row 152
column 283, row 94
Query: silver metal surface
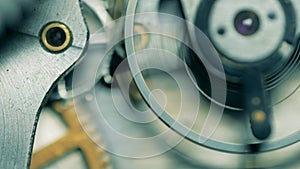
column 27, row 73
column 190, row 9
column 154, row 23
column 285, row 117
column 99, row 38
column 247, row 48
column 296, row 5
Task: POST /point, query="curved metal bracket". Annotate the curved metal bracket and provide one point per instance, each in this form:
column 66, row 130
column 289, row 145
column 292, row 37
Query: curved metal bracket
column 28, row 72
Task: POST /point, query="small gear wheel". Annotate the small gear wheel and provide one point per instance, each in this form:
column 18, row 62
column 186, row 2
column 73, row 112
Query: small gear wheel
column 75, row 138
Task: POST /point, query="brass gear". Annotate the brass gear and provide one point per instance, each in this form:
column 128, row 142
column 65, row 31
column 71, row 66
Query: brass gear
column 75, row 138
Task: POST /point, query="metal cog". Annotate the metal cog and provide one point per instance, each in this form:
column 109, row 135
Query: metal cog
column 75, row 138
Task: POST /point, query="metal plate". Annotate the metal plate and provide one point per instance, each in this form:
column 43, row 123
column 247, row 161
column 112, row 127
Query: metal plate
column 27, row 73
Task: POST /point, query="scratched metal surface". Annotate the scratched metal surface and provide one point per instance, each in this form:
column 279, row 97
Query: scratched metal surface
column 186, row 155
column 27, row 73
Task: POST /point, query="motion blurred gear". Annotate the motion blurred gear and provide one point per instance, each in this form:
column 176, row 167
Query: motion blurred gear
column 75, row 138
column 256, row 42
column 171, row 83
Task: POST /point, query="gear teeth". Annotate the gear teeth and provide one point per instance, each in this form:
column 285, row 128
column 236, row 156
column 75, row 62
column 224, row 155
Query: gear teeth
column 77, row 138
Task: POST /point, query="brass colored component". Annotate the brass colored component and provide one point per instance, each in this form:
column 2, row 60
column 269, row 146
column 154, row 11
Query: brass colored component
column 142, row 38
column 259, row 116
column 75, row 138
column 60, row 33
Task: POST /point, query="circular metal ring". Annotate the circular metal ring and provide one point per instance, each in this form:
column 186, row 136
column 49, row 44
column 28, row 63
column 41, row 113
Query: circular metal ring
column 61, row 34
column 247, row 148
column 144, row 38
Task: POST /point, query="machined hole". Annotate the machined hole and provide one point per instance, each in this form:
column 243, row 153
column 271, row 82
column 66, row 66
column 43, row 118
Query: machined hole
column 56, row 37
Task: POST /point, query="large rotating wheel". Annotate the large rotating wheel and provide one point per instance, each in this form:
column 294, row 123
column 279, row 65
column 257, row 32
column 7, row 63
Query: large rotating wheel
column 258, row 48
column 256, row 42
